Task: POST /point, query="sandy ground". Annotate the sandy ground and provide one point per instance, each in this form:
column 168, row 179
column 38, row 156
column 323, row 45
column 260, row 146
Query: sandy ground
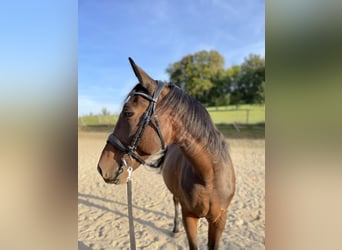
column 102, row 208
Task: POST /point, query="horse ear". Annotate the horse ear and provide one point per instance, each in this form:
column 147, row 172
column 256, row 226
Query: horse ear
column 145, row 80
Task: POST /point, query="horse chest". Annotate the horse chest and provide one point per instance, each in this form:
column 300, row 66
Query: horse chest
column 195, row 197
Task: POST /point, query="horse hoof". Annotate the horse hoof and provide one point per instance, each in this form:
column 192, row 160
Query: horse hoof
column 175, row 234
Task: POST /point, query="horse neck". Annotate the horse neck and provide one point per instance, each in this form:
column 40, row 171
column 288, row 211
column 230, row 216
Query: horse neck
column 188, row 125
column 201, row 159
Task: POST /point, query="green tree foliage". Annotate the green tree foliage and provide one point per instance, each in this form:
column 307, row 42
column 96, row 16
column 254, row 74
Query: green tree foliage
column 196, row 73
column 203, row 76
column 249, row 86
column 105, row 112
column 220, row 94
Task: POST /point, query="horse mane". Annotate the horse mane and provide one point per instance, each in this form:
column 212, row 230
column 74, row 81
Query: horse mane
column 196, row 119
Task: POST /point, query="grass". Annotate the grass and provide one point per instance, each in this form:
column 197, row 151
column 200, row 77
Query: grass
column 243, row 121
column 242, row 131
column 247, row 113
column 237, row 107
column 97, row 120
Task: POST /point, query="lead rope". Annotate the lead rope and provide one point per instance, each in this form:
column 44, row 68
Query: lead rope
column 130, row 207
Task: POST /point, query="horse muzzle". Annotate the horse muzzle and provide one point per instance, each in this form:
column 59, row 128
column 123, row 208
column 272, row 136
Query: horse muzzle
column 109, row 179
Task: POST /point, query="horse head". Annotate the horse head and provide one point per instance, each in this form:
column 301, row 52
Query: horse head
column 141, row 133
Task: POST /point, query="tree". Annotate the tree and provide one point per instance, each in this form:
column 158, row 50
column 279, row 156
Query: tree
column 250, row 84
column 202, row 75
column 220, row 94
column 196, row 73
column 105, row 112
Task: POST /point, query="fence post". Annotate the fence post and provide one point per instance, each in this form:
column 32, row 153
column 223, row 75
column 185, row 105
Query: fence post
column 247, row 116
column 82, row 121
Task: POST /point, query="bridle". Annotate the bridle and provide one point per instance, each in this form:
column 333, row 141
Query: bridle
column 131, row 150
column 146, row 118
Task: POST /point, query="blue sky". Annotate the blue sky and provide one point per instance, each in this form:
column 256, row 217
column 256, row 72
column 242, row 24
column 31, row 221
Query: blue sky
column 155, row 34
column 38, row 42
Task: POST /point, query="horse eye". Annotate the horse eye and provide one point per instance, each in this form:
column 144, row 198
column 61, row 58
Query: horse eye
column 128, row 113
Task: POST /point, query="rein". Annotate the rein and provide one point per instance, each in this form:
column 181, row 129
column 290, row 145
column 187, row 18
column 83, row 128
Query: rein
column 131, row 150
column 130, row 207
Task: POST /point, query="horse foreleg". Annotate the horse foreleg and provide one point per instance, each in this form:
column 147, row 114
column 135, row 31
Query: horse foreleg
column 176, row 219
column 215, row 230
column 190, row 225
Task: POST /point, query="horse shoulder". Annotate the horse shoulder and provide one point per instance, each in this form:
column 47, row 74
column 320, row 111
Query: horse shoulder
column 171, row 168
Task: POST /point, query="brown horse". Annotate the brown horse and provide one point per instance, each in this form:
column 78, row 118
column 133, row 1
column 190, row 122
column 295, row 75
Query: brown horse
column 160, row 123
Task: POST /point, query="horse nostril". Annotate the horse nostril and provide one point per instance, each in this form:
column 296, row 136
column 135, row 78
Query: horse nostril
column 99, row 169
